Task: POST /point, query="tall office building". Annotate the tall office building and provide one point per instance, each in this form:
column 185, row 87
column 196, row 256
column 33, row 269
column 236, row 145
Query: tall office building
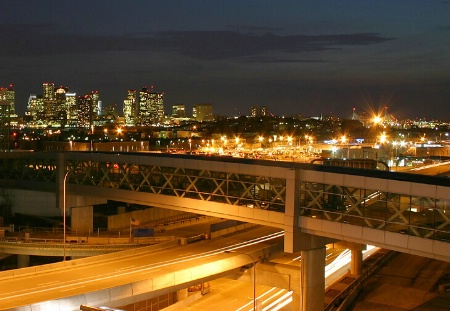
column 109, row 113
column 179, row 111
column 6, row 110
column 203, row 112
column 50, row 106
column 8, row 94
column 151, row 107
column 86, row 113
column 60, row 107
column 5, row 125
column 264, row 111
column 35, row 111
column 256, row 111
column 130, row 108
column 96, row 104
column 71, row 110
column 8, row 98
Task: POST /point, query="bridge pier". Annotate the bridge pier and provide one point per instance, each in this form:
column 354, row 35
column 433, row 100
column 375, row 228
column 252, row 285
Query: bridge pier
column 313, row 279
column 312, row 274
column 23, row 261
column 357, row 255
column 356, row 262
column 182, row 294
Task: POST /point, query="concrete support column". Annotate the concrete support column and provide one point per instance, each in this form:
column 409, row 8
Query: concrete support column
column 182, row 294
column 356, row 262
column 313, row 279
column 357, row 255
column 121, row 209
column 23, row 261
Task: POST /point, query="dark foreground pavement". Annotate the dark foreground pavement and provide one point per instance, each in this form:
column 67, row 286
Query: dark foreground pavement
column 407, row 282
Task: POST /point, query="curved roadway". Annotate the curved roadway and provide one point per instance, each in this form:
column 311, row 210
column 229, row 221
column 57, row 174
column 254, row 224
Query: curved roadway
column 147, row 272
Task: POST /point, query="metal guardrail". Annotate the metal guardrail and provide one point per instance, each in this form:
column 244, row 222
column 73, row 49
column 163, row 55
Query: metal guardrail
column 58, row 243
column 164, row 222
column 99, row 231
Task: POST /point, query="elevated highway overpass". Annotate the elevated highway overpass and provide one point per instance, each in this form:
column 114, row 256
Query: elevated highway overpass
column 312, row 204
column 134, row 275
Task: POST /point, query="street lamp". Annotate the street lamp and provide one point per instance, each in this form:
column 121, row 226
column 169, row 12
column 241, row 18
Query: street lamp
column 119, row 133
column 334, row 150
column 254, row 274
column 64, row 215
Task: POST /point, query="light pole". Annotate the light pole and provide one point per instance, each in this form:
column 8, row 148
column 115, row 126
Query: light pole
column 254, row 275
column 92, row 137
column 64, row 215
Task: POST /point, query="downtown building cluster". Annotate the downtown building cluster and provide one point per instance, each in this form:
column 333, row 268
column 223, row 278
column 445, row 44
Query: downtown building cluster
column 146, row 108
column 57, row 107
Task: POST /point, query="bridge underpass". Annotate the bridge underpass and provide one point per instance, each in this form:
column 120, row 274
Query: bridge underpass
column 304, row 200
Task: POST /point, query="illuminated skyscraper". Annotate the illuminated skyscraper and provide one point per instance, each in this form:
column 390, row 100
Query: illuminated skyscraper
column 8, row 94
column 88, row 109
column 179, row 111
column 35, row 111
column 48, row 91
column 84, row 111
column 151, row 107
column 203, row 112
column 71, row 110
column 6, row 104
column 50, row 106
column 96, row 104
column 60, row 107
column 8, row 97
column 130, row 108
column 257, row 111
column 264, row 111
column 5, row 125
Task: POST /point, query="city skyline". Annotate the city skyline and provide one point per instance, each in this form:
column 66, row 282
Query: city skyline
column 292, row 57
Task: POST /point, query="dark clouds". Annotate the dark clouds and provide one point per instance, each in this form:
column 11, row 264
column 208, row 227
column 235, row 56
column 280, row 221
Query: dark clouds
column 294, row 57
column 32, row 40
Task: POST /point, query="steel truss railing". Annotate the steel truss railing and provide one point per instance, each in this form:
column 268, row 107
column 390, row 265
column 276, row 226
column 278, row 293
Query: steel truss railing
column 201, row 184
column 419, row 216
column 28, row 168
column 231, row 188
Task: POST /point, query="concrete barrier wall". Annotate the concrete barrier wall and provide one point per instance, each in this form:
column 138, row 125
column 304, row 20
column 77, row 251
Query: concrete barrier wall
column 230, row 230
column 82, row 218
column 45, row 203
column 35, row 202
column 143, row 216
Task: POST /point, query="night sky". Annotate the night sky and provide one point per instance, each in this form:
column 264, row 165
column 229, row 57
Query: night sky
column 295, row 57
